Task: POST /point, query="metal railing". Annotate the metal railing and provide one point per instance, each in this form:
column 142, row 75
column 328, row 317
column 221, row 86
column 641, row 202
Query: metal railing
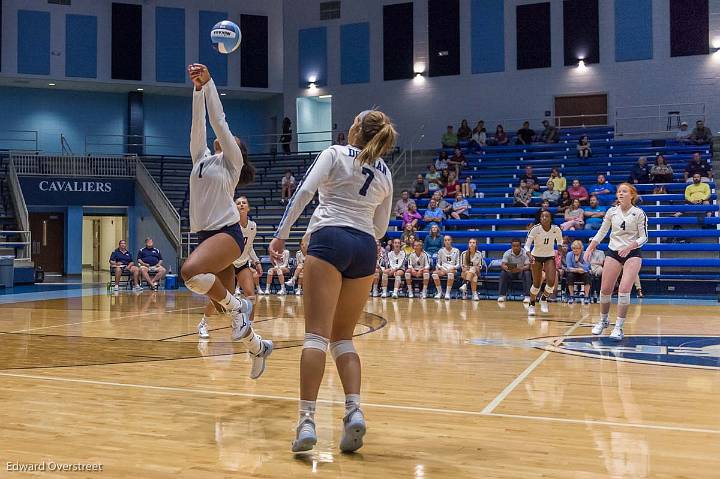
column 85, row 166
column 658, row 121
column 406, row 157
column 21, row 211
column 165, row 212
column 19, row 140
column 511, row 125
column 24, row 244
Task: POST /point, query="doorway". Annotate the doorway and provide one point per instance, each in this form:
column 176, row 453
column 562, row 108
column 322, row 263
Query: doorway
column 581, row 110
column 48, row 241
column 101, row 235
column 314, row 123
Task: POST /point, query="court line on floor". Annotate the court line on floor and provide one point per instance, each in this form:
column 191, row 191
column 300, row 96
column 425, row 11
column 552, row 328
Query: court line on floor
column 424, row 409
column 523, row 375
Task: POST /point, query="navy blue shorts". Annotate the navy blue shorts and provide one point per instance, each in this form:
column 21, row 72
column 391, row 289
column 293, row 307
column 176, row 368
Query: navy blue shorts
column 632, row 254
column 351, row 251
column 232, row 230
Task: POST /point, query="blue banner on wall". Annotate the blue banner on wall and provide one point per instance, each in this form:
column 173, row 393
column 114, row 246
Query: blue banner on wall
column 59, row 191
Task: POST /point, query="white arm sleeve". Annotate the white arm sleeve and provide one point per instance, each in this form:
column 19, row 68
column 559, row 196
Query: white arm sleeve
column 231, row 150
column 253, row 255
column 316, row 174
column 382, row 216
column 529, row 240
column 198, row 131
column 603, row 231
column 642, row 230
column 558, row 237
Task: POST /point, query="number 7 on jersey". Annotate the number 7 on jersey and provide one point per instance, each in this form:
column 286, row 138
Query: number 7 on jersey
column 370, row 177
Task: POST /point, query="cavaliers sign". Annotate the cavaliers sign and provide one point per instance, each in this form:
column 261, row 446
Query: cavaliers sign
column 57, row 191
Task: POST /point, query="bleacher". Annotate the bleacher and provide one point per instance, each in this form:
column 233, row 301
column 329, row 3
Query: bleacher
column 680, row 248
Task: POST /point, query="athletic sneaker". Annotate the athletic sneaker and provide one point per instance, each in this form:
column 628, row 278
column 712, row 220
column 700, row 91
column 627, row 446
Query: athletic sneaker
column 571, row 300
column 438, row 295
column 600, row 326
column 375, row 293
column 116, row 287
column 395, row 294
column 544, row 304
column 501, row 299
column 526, row 300
column 463, row 288
column 290, row 283
column 617, row 334
column 410, row 294
column 353, row 430
column 259, row 359
column 137, row 289
column 298, row 292
column 241, row 320
column 282, row 291
column 202, row 328
column 238, row 294
column 423, row 295
column 305, row 436
column 154, row 286
column 586, row 301
column 447, row 295
column 531, row 310
column 475, row 297
column 383, row 294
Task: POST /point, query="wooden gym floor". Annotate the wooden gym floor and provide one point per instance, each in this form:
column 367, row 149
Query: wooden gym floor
column 451, row 389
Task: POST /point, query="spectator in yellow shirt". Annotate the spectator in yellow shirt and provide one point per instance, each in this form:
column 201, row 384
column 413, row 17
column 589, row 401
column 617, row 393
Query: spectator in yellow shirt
column 698, row 193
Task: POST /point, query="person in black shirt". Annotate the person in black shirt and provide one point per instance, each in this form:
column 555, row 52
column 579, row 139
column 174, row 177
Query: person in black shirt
column 640, row 173
column 150, row 261
column 531, row 179
column 286, row 137
column 121, row 260
column 698, row 166
column 525, row 134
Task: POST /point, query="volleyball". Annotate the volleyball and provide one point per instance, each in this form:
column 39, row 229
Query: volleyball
column 225, row 36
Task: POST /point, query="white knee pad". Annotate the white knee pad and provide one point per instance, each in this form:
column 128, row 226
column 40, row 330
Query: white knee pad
column 623, row 299
column 344, row 346
column 549, row 289
column 605, row 298
column 315, row 341
column 436, row 277
column 426, row 275
column 408, row 276
column 200, row 283
column 534, row 291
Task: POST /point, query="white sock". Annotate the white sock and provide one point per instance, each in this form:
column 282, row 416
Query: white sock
column 253, row 343
column 604, row 316
column 307, row 409
column 352, row 401
column 619, row 322
column 230, row 302
column 385, row 290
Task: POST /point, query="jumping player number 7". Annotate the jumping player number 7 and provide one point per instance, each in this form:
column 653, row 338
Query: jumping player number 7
column 370, row 177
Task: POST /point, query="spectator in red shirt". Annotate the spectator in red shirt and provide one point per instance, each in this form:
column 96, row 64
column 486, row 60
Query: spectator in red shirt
column 452, row 187
column 457, row 161
column 578, row 192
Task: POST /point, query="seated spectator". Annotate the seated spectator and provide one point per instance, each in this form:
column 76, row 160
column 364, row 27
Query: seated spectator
column 525, row 135
column 699, row 166
column 341, row 140
column 558, row 180
column 412, row 216
column 551, row 195
column 445, row 206
column 565, row 202
column 578, row 192
column 418, row 267
column 408, row 231
column 464, row 133
column 449, row 138
column 448, row 262
column 515, row 265
column 500, row 138
column 420, row 188
column 545, row 206
column 603, row 190
column 574, row 217
column 522, row 195
column 479, row 136
column 683, row 134
column 661, row 172
column 698, row 193
column 433, row 214
column 531, row 179
column 550, row 134
column 120, row 261
column 659, row 190
column 432, row 178
column 150, row 261
column 457, row 161
column 408, row 247
column 560, row 265
column 401, row 205
column 433, row 241
column 578, row 271
column 594, row 214
column 444, row 179
column 452, row 187
column 281, row 268
column 583, row 147
column 596, row 263
column 468, row 188
column 640, row 173
column 460, row 208
column 288, row 185
column 701, row 135
column 441, row 164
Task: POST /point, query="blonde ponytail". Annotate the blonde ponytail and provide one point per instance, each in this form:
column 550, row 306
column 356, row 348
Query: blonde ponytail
column 379, row 135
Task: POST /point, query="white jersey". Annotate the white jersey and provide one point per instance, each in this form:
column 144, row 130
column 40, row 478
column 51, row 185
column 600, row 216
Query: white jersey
column 214, row 177
column 448, row 260
column 418, row 261
column 475, row 260
column 299, row 258
column 248, row 253
column 395, row 260
column 351, row 194
column 542, row 243
column 626, row 228
column 381, row 259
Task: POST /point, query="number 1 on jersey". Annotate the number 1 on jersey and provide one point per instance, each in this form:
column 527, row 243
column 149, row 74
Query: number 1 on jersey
column 201, row 167
column 370, row 177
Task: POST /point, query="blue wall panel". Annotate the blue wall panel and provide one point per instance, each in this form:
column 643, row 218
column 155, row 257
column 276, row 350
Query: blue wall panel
column 216, row 62
column 633, row 30
column 312, row 56
column 170, row 45
column 487, row 38
column 355, row 53
column 33, row 38
column 73, row 239
column 81, row 46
